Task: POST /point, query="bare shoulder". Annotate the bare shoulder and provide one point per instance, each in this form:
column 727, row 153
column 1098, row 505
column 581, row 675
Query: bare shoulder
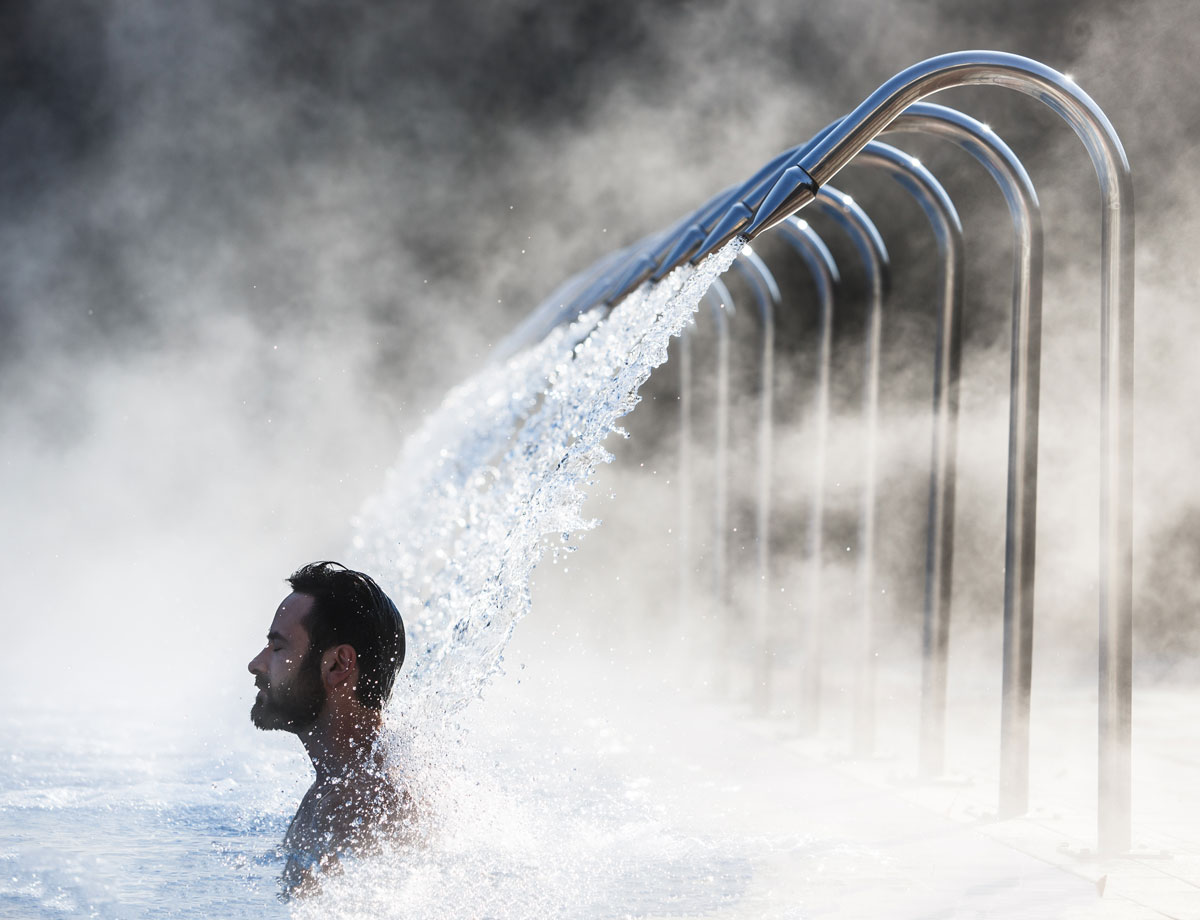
column 340, row 818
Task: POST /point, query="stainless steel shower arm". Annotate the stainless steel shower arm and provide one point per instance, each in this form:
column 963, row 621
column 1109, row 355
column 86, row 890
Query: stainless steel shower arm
column 692, row 240
column 823, row 159
column 865, row 237
column 1021, row 514
column 821, row 266
column 947, row 229
column 645, row 257
column 768, row 299
column 566, row 303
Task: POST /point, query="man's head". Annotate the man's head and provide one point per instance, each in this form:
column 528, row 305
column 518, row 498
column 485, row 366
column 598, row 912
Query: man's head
column 336, row 632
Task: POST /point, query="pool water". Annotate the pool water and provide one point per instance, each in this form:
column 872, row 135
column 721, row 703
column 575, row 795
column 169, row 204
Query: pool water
column 585, row 789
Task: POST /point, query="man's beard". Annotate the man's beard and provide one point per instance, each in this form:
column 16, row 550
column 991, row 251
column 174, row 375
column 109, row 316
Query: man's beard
column 293, row 706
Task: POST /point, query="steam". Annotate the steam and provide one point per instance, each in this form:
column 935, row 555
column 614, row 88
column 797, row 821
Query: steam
column 245, row 252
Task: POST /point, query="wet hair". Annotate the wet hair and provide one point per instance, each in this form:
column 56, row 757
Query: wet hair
column 351, row 609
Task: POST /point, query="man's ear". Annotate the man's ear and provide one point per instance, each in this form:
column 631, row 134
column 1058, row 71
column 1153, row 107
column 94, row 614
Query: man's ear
column 339, row 664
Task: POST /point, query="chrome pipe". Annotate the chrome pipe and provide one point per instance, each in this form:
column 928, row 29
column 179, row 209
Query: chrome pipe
column 823, row 269
column 753, row 190
column 871, row 249
column 640, row 266
column 635, row 269
column 939, row 555
column 686, row 616
column 767, row 298
column 739, row 211
column 722, row 306
column 603, row 283
column 1021, row 513
column 823, row 160
column 564, row 304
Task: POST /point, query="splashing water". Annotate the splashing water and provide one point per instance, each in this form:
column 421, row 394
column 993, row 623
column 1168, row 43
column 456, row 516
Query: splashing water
column 495, row 473
column 492, row 480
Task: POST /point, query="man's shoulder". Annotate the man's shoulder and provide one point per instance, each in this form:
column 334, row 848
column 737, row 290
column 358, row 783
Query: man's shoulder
column 340, row 819
column 349, row 812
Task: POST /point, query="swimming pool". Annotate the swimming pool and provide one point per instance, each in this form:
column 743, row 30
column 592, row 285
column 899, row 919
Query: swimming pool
column 586, row 789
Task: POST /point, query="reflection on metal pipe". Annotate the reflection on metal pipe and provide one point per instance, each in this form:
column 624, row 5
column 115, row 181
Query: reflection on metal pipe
column 767, row 299
column 869, row 245
column 939, row 556
column 1021, row 514
column 825, row 275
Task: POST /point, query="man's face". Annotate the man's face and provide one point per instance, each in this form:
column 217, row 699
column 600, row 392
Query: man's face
column 290, row 692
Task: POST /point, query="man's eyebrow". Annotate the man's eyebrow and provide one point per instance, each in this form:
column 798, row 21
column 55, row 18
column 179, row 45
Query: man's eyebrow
column 274, row 636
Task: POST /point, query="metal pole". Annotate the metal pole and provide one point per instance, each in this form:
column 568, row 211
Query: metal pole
column 686, row 619
column 719, row 302
column 939, row 557
column 1021, row 514
column 564, row 304
column 870, row 247
column 729, row 210
column 640, row 260
column 825, row 275
column 767, row 298
column 722, row 304
column 689, row 238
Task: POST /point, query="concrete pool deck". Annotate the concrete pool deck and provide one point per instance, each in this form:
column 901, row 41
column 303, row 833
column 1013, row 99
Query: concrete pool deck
column 1160, row 876
column 839, row 837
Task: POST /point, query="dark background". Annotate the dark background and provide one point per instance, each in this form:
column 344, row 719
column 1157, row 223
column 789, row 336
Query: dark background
column 243, row 247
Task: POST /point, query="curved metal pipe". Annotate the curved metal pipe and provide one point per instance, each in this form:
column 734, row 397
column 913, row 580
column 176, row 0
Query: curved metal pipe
column 823, row 157
column 822, row 161
column 684, row 543
column 642, row 263
column 703, row 219
column 721, row 305
column 1020, row 549
column 767, row 298
column 939, row 557
column 821, row 265
column 870, row 247
column 564, row 304
column 603, row 283
column 741, row 212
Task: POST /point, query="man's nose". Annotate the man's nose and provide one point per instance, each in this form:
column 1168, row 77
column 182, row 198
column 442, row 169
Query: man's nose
column 254, row 667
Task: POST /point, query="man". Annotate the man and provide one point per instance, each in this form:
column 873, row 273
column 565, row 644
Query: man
column 332, row 655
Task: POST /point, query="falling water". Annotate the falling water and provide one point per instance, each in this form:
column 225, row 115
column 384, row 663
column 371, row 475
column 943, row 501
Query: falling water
column 498, row 474
column 493, row 479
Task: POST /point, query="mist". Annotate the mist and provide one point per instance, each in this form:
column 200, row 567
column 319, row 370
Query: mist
column 244, row 250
